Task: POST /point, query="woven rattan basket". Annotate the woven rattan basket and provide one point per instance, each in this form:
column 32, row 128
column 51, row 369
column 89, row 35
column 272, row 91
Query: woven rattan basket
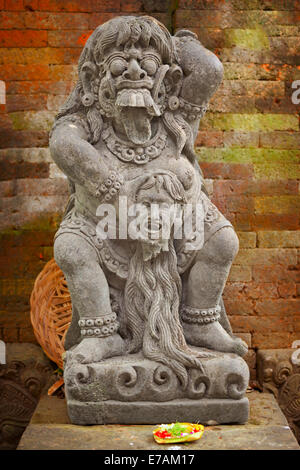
column 51, row 311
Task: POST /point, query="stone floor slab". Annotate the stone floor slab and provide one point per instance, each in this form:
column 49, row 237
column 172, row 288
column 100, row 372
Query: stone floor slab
column 50, row 428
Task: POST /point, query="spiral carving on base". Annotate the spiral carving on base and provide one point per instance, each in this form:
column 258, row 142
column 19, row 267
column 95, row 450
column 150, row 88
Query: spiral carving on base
column 236, row 386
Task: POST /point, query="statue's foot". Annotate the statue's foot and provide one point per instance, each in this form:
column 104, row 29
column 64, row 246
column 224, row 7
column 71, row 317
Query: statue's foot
column 213, row 336
column 96, row 349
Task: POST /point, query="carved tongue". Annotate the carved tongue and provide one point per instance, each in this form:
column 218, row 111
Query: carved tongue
column 137, row 124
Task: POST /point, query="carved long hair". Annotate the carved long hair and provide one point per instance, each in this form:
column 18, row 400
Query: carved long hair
column 152, row 300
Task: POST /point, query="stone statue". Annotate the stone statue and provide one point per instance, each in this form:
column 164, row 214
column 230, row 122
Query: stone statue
column 149, row 329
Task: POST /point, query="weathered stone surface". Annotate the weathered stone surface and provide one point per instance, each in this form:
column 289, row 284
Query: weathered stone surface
column 50, row 428
column 26, row 374
column 134, row 390
column 137, row 106
column 279, row 373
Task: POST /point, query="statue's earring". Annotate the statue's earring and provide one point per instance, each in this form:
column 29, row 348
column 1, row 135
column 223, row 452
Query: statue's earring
column 173, row 103
column 88, row 99
column 87, row 74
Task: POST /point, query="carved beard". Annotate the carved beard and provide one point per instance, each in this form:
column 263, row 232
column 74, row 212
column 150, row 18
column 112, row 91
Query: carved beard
column 136, row 108
column 152, row 297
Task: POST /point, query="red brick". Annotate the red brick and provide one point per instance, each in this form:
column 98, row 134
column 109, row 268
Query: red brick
column 14, row 5
column 10, row 335
column 226, row 170
column 26, row 335
column 209, row 139
column 14, row 319
column 275, row 222
column 263, row 324
column 239, row 307
column 152, row 6
column 5, row 122
column 200, row 4
column 10, row 20
column 42, row 56
column 7, row 189
column 240, row 274
column 240, row 204
column 28, row 238
column 131, row 5
column 23, row 170
column 66, row 5
column 63, row 72
column 233, row 290
column 24, row 72
column 39, row 87
column 202, row 17
column 211, row 38
column 23, row 139
column 287, row 290
column 275, row 273
column 261, row 291
column 253, row 187
column 276, row 340
column 20, row 267
column 281, row 140
column 95, row 19
column 56, row 21
column 23, row 38
column 31, row 5
column 241, row 139
column 279, row 105
column 68, row 38
column 25, row 103
column 232, row 104
column 266, row 256
column 278, row 307
column 42, row 187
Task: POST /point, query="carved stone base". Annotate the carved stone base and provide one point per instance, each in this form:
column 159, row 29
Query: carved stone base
column 150, row 412
column 135, row 390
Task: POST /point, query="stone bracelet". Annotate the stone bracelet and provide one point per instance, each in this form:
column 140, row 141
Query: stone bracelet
column 99, row 327
column 191, row 111
column 110, row 187
column 200, row 316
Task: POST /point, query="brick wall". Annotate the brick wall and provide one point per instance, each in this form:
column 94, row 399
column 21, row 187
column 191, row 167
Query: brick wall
column 248, row 146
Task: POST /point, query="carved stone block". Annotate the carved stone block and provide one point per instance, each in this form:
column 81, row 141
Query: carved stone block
column 22, row 380
column 279, row 375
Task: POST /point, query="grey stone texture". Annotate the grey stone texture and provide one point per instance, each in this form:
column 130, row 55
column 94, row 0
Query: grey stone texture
column 26, row 375
column 278, row 372
column 127, row 132
column 50, row 429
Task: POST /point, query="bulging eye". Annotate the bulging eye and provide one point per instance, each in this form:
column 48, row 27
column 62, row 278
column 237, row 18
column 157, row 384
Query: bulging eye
column 149, row 65
column 117, row 66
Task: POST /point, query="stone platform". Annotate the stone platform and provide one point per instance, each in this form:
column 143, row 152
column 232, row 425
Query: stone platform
column 50, row 429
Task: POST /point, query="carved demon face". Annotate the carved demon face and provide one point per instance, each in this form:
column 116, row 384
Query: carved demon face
column 132, row 90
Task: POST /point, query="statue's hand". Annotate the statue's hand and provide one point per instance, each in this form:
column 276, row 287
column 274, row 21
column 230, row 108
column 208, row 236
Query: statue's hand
column 202, row 69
